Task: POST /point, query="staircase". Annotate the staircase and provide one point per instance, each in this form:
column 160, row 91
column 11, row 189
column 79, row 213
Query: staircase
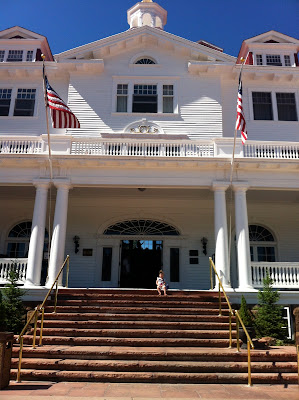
column 137, row 336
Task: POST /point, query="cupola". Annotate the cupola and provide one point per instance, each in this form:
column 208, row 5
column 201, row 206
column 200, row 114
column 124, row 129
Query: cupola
column 147, row 13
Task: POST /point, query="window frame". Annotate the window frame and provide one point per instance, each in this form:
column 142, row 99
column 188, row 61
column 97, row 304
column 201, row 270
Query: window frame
column 159, row 82
column 265, row 53
column 274, row 103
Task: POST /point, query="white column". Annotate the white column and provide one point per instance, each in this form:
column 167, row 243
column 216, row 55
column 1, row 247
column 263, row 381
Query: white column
column 37, row 238
column 242, row 236
column 221, row 240
column 57, row 255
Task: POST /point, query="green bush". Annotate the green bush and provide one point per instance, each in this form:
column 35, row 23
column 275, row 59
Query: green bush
column 268, row 319
column 2, row 314
column 14, row 310
column 245, row 314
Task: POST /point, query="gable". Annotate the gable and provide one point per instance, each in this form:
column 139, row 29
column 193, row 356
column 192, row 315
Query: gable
column 144, row 37
column 17, row 32
column 272, row 37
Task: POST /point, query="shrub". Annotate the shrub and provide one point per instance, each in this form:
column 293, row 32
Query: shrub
column 268, row 319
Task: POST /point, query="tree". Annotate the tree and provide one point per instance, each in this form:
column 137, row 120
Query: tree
column 2, row 314
column 268, row 320
column 245, row 313
column 14, row 309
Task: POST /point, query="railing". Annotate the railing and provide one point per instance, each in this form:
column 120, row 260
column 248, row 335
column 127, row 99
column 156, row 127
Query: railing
column 285, row 275
column 231, row 314
column 19, row 265
column 20, row 146
column 41, row 310
column 138, row 148
column 272, row 150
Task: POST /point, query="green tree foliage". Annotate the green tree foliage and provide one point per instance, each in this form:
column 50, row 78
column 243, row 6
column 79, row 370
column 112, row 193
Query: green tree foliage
column 268, row 320
column 245, row 314
column 14, row 310
column 2, row 314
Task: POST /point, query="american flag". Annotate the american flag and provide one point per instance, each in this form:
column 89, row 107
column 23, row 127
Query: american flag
column 62, row 116
column 240, row 122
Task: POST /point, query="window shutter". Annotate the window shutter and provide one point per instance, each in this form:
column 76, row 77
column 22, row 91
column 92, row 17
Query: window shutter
column 249, row 59
column 38, row 55
column 296, row 60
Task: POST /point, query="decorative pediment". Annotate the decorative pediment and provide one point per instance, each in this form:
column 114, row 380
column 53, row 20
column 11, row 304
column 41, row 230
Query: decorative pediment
column 272, row 37
column 143, row 127
column 17, row 32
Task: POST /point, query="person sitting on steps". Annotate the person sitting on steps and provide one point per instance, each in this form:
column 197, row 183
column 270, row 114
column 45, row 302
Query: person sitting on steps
column 161, row 284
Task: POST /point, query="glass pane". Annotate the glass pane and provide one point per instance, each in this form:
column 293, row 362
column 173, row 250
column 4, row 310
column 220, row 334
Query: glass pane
column 273, row 59
column 122, row 103
column 4, row 107
column 174, row 264
column 145, row 104
column 167, row 104
column 106, row 264
column 24, row 108
column 262, row 106
column 286, row 106
column 266, row 254
column 17, row 250
column 251, row 254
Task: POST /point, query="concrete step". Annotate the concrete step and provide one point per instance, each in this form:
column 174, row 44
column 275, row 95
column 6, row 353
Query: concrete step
column 135, row 310
column 136, row 333
column 164, row 353
column 164, row 302
column 157, row 377
column 136, row 292
column 158, row 324
column 112, row 317
column 154, row 366
column 134, row 341
column 154, row 298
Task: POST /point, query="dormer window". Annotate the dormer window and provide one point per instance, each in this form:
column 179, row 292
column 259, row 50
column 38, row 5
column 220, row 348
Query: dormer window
column 145, row 60
column 274, row 60
column 259, row 59
column 15, row 55
column 29, row 55
column 287, row 61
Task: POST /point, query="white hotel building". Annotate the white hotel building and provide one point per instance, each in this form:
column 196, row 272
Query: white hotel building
column 145, row 182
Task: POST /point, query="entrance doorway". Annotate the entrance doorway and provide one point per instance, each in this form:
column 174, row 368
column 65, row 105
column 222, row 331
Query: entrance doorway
column 141, row 261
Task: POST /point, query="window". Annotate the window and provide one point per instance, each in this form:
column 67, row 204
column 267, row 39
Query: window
column 262, row 105
column 286, row 107
column 273, row 59
column 145, row 99
column 167, row 98
column 2, row 52
column 145, row 61
column 25, row 101
column 174, row 264
column 106, row 263
column 141, row 227
column 122, row 98
column 15, row 55
column 5, row 98
column 259, row 59
column 287, row 61
column 262, row 244
column 29, row 55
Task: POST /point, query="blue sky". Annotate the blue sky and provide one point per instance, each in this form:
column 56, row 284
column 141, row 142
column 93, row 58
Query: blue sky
column 225, row 23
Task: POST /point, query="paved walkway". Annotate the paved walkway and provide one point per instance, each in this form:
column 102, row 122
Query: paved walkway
column 127, row 391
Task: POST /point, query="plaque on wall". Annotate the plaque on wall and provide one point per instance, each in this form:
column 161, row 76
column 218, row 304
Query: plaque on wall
column 87, row 252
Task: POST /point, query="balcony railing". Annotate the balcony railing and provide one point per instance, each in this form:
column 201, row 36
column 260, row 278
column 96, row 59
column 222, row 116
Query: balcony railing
column 285, row 275
column 7, row 264
column 136, row 147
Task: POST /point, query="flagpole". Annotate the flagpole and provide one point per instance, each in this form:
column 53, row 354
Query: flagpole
column 231, row 179
column 47, row 120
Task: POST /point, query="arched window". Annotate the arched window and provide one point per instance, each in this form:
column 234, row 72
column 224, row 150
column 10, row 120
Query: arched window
column 18, row 240
column 142, row 227
column 262, row 244
column 145, row 60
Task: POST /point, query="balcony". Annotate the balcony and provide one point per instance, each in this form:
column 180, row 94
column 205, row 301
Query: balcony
column 7, row 264
column 285, row 275
column 151, row 148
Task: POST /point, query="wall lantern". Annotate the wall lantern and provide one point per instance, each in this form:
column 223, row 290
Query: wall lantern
column 76, row 241
column 204, row 242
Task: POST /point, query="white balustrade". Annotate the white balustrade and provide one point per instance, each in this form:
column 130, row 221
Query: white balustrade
column 137, row 148
column 271, row 150
column 7, row 264
column 283, row 274
column 20, row 146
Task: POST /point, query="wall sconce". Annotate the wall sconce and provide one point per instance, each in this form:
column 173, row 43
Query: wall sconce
column 204, row 242
column 76, row 241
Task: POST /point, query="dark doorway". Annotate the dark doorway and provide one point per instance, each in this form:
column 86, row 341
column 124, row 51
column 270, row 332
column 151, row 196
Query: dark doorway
column 141, row 261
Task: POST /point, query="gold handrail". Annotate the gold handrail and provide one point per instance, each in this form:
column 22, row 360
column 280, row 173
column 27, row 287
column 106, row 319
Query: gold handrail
column 298, row 361
column 238, row 320
column 35, row 315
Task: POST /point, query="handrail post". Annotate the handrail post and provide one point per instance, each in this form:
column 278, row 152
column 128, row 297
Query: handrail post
column 219, row 295
column 56, row 293
column 20, row 360
column 67, row 272
column 211, row 276
column 35, row 326
column 41, row 327
column 298, row 361
column 230, row 331
column 249, row 363
column 238, row 335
